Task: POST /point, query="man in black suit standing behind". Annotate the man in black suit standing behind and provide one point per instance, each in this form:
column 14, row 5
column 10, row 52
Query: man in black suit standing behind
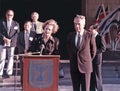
column 96, row 76
column 8, row 37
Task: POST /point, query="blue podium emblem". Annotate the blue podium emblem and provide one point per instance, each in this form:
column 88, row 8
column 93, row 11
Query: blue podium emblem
column 41, row 73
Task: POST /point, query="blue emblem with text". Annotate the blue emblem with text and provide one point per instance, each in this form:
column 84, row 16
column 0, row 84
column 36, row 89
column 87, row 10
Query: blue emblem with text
column 41, row 73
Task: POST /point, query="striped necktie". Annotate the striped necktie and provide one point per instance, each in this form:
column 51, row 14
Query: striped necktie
column 79, row 40
column 35, row 27
column 26, row 40
column 8, row 27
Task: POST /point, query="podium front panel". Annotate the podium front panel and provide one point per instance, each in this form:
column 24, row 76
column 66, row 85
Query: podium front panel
column 40, row 73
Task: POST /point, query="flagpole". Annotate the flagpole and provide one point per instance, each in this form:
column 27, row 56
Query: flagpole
column 103, row 7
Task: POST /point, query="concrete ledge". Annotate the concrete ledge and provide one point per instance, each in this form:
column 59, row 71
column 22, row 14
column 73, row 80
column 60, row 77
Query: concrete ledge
column 104, row 61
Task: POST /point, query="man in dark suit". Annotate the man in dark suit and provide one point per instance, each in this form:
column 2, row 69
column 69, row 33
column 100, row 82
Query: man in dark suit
column 23, row 43
column 96, row 76
column 8, row 37
column 24, row 40
column 81, row 52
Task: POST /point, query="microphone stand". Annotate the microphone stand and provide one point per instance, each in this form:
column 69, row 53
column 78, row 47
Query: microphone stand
column 41, row 51
column 42, row 47
column 16, row 72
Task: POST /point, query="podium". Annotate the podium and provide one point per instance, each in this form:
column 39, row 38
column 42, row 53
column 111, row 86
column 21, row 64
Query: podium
column 40, row 72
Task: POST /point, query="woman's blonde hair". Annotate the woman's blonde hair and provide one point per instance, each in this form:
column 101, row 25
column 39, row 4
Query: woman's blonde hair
column 53, row 23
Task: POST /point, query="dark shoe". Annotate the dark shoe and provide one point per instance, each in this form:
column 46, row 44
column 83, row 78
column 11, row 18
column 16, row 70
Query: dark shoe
column 6, row 76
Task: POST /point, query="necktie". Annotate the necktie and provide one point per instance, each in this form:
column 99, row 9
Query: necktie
column 79, row 40
column 26, row 40
column 8, row 27
column 35, row 27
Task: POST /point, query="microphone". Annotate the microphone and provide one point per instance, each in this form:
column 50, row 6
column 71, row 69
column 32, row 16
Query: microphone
column 42, row 47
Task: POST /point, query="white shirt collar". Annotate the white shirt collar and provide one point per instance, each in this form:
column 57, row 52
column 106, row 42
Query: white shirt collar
column 27, row 31
column 9, row 21
column 81, row 33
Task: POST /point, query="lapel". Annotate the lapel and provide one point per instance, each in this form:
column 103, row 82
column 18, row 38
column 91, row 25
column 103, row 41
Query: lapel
column 23, row 38
column 74, row 35
column 83, row 41
column 31, row 34
column 11, row 27
column 5, row 25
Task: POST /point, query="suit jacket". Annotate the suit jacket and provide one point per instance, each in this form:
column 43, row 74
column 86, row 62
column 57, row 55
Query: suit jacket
column 101, row 47
column 14, row 30
column 21, row 40
column 39, row 28
column 81, row 58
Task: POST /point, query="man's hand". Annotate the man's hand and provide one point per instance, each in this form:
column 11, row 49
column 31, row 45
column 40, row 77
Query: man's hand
column 6, row 40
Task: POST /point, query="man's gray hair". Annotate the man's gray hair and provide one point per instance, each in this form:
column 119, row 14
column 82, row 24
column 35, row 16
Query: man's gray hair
column 80, row 16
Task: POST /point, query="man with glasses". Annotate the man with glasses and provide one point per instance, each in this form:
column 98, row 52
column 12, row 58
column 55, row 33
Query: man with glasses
column 8, row 37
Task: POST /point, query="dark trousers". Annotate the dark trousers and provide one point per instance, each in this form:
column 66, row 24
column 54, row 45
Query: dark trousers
column 96, row 78
column 80, row 81
column 61, row 71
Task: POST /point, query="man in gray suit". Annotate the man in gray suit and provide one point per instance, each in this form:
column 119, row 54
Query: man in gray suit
column 9, row 30
column 82, row 49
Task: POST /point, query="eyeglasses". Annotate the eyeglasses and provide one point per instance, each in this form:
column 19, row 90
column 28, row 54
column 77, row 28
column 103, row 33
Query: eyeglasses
column 9, row 15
